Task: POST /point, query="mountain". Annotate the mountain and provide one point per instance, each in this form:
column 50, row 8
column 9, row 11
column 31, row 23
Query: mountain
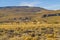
column 26, row 14
column 21, row 9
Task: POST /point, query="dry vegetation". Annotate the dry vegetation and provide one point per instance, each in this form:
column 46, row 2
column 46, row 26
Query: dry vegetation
column 26, row 23
column 30, row 32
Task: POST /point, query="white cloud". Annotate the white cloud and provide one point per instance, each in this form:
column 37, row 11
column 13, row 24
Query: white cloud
column 26, row 4
column 53, row 7
column 29, row 3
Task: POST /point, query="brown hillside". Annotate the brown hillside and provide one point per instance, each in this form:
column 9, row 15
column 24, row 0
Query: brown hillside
column 28, row 14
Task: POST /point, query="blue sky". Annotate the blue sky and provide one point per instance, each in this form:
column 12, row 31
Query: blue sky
column 47, row 4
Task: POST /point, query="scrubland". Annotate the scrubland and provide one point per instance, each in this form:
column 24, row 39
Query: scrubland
column 29, row 23
column 29, row 31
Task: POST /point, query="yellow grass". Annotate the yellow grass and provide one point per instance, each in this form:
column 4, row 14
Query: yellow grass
column 42, row 29
column 28, row 36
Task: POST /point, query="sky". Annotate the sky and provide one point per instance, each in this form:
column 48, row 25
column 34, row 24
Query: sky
column 47, row 4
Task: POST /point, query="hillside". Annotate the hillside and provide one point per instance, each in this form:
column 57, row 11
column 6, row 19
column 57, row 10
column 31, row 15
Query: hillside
column 26, row 14
column 29, row 23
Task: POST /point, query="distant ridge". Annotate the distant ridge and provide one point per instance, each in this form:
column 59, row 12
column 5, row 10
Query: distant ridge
column 20, row 7
column 15, row 7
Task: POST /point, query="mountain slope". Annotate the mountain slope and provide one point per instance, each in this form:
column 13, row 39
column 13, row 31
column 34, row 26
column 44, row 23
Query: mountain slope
column 27, row 14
